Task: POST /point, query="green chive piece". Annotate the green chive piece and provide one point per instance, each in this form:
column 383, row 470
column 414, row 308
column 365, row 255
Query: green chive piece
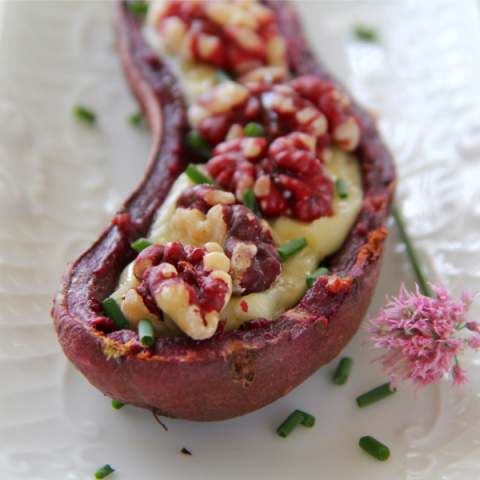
column 343, row 371
column 196, row 176
column 341, row 187
column 313, row 277
column 222, row 75
column 84, row 114
column 374, row 448
column 379, row 393
column 254, row 129
column 141, row 244
column 145, row 332
column 136, row 118
column 308, row 420
column 412, row 255
column 366, row 34
column 250, row 201
column 291, row 248
column 117, row 405
column 290, row 424
column 139, row 8
column 199, row 144
column 114, row 313
column 103, row 472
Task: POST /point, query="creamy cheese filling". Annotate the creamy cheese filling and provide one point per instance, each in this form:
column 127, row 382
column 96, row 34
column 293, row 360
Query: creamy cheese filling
column 324, row 236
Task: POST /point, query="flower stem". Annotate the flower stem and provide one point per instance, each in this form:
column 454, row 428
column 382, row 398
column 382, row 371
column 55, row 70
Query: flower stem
column 412, row 255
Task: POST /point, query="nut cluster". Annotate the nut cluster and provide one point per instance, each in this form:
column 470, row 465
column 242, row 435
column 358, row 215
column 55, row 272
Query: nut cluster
column 235, row 35
column 246, row 240
column 307, row 104
column 287, row 177
column 190, row 285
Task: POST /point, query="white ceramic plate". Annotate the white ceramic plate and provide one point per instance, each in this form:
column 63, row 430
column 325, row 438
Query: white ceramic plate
column 61, row 181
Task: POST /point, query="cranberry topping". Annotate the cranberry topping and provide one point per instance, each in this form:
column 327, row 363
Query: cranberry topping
column 288, row 179
column 235, row 36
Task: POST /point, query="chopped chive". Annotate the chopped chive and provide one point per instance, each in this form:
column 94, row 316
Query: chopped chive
column 145, row 332
column 141, row 244
column 291, row 248
column 374, row 448
column 250, row 201
column 412, row 255
column 366, row 34
column 84, row 114
column 343, row 371
column 254, row 129
column 136, row 118
column 114, row 313
column 117, row 405
column 308, row 420
column 313, row 277
column 222, row 75
column 375, row 395
column 199, row 144
column 198, row 177
column 341, row 187
column 139, row 8
column 289, row 425
column 185, row 451
column 103, row 472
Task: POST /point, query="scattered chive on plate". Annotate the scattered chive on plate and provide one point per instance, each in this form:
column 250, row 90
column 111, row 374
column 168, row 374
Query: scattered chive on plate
column 293, row 421
column 84, row 114
column 374, row 448
column 374, row 395
column 103, row 472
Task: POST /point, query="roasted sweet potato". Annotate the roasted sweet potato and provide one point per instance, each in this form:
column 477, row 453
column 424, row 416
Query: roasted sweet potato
column 234, row 373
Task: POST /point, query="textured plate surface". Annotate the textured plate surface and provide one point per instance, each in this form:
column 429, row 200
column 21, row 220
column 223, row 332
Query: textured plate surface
column 61, row 181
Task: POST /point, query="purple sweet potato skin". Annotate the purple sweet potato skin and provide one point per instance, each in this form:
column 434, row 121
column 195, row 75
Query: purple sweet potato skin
column 238, row 372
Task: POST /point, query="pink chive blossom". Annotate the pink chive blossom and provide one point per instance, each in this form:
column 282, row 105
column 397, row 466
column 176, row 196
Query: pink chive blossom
column 421, row 335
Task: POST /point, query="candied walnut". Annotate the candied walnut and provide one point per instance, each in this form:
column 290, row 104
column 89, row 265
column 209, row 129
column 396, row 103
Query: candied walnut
column 233, row 164
column 223, row 99
column 233, row 35
column 189, row 284
column 191, row 225
column 335, row 105
column 287, row 177
column 307, row 104
column 265, row 75
column 203, row 197
column 246, row 240
column 278, row 107
column 255, row 263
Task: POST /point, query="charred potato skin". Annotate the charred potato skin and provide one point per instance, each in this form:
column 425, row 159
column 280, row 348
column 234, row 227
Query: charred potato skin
column 235, row 373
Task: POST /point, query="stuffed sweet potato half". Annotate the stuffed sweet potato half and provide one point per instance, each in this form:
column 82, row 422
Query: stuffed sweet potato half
column 232, row 359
